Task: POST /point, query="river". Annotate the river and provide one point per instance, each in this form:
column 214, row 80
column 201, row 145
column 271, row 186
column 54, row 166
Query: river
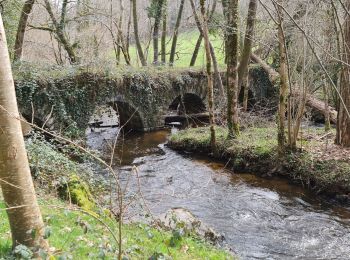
column 260, row 218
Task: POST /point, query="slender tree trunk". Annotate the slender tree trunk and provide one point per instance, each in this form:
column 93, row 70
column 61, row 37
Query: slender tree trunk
column 283, row 83
column 344, row 120
column 164, row 31
column 196, row 50
column 22, row 25
column 128, row 33
column 232, row 63
column 247, row 49
column 205, row 33
column 245, row 85
column 15, row 179
column 136, row 32
column 212, row 51
column 200, row 38
column 327, row 125
column 157, row 20
column 226, row 16
column 120, row 38
column 60, row 33
column 248, row 40
column 176, row 33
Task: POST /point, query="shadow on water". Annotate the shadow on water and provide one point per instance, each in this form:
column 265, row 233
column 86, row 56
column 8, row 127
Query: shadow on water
column 261, row 218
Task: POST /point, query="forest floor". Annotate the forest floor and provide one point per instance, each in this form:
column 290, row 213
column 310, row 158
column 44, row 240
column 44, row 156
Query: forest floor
column 83, row 227
column 318, row 164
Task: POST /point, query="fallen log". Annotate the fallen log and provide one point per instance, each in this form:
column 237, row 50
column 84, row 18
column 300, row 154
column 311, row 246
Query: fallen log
column 311, row 102
column 319, row 106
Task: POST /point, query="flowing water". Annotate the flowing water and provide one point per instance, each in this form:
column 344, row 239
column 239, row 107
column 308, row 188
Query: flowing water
column 260, row 218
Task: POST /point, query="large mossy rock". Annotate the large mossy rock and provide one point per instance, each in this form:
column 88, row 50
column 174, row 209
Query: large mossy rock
column 180, row 218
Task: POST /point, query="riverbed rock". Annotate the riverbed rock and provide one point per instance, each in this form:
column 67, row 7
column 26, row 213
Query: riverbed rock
column 181, row 218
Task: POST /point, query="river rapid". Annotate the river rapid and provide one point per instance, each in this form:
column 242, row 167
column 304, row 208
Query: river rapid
column 260, row 218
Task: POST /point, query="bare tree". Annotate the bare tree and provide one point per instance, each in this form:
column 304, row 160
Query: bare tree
column 25, row 219
column 205, row 32
column 176, row 33
column 231, row 32
column 22, row 25
column 217, row 75
column 343, row 118
column 200, row 38
column 283, row 71
column 136, row 34
column 164, row 31
column 58, row 29
column 243, row 72
column 156, row 9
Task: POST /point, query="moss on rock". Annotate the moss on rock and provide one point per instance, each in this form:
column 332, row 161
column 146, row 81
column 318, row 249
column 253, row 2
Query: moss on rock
column 78, row 192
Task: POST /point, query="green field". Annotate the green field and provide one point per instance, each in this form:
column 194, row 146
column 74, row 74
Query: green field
column 185, row 46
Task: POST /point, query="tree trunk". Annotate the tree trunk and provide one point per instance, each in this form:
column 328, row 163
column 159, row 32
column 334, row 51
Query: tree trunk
column 196, row 50
column 164, row 32
column 283, row 83
column 245, row 84
column 136, row 32
column 200, row 38
column 232, row 63
column 157, row 19
column 15, row 179
column 60, row 35
column 344, row 120
column 327, row 124
column 205, row 33
column 212, row 51
column 22, row 25
column 247, row 49
column 176, row 33
column 248, row 41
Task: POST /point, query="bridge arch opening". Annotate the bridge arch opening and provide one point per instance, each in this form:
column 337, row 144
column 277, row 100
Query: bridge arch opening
column 187, row 110
column 129, row 117
column 189, row 103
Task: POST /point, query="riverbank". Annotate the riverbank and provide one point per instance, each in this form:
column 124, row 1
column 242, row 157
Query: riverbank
column 77, row 234
column 319, row 165
column 79, row 222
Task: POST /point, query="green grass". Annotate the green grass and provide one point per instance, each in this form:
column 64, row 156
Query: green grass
column 261, row 140
column 185, row 45
column 80, row 236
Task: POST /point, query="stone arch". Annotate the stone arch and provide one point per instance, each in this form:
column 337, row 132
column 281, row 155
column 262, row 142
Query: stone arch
column 129, row 117
column 189, row 103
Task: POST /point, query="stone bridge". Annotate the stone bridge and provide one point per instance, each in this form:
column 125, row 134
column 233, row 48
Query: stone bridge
column 141, row 98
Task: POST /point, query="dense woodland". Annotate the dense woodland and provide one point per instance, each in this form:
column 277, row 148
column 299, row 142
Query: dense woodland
column 301, row 46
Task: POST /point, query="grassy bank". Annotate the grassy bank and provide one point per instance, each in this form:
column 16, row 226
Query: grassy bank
column 319, row 165
column 75, row 235
column 84, row 230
